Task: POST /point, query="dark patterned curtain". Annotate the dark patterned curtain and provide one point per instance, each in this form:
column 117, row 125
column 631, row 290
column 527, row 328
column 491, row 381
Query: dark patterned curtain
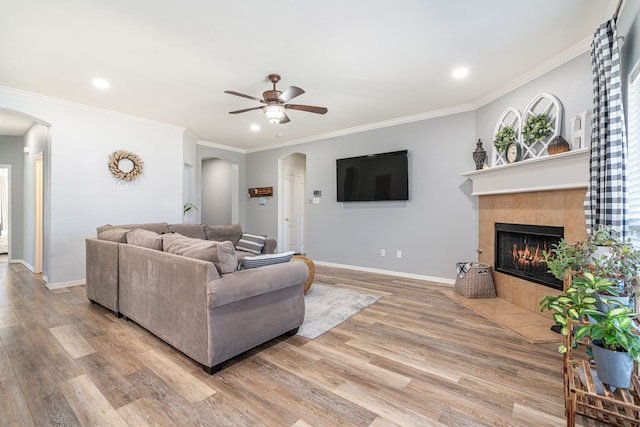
column 606, row 200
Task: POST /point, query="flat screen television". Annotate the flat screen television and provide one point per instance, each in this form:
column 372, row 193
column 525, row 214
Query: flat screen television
column 376, row 177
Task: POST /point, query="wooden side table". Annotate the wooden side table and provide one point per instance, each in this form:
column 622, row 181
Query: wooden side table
column 312, row 271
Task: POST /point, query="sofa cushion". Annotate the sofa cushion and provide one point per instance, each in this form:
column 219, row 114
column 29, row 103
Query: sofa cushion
column 158, row 227
column 221, row 254
column 222, row 233
column 114, row 234
column 145, row 238
column 251, row 243
column 262, row 260
column 190, row 230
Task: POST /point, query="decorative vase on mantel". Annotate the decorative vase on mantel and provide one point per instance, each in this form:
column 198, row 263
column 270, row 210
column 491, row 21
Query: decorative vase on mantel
column 558, row 145
column 479, row 155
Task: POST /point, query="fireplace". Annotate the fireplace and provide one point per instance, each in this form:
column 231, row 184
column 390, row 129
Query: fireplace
column 520, row 248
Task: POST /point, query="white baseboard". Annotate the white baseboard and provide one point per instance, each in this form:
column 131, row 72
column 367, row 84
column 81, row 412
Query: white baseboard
column 388, row 272
column 61, row 285
column 23, row 262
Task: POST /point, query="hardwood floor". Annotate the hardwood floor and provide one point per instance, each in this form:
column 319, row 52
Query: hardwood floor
column 414, row 358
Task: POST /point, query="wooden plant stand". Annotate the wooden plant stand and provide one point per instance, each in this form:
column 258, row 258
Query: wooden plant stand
column 619, row 408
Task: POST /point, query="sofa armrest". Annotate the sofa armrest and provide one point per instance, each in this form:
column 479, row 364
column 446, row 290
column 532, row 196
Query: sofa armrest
column 167, row 295
column 252, row 282
column 102, row 272
column 270, row 246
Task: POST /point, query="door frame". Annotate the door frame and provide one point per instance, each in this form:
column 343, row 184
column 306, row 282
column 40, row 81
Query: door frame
column 8, row 167
column 38, row 253
column 282, row 198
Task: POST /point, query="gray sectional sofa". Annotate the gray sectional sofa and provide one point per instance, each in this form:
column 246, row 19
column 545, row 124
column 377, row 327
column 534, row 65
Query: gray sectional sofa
column 202, row 307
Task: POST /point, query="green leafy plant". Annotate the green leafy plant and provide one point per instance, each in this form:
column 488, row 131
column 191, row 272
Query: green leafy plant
column 536, row 128
column 504, row 137
column 578, row 300
column 621, row 262
column 188, row 206
column 565, row 256
column 615, row 329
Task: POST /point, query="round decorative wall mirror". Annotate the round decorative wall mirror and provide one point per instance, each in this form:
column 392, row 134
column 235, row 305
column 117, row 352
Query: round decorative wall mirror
column 125, row 165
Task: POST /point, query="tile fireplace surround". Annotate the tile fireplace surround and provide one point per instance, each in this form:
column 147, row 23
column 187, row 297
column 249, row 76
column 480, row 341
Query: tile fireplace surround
column 541, row 192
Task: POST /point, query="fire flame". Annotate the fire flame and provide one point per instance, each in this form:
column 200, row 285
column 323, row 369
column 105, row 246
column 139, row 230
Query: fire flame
column 528, row 257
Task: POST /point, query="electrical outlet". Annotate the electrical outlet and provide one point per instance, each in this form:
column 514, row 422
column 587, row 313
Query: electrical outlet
column 398, row 254
column 383, row 252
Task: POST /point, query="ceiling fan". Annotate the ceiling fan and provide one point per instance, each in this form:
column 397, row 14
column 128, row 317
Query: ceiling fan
column 276, row 102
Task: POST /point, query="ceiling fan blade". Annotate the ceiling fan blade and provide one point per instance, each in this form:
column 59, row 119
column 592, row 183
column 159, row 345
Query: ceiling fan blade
column 308, row 108
column 284, row 120
column 290, row 93
column 230, row 92
column 245, row 110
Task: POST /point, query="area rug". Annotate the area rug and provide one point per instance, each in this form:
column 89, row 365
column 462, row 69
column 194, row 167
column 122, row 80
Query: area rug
column 328, row 306
column 4, row 245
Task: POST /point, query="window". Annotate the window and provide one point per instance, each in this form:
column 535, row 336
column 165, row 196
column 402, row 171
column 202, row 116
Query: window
column 633, row 162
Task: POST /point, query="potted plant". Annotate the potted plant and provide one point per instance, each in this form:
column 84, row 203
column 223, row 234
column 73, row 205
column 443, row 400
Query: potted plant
column 504, row 137
column 536, row 128
column 565, row 256
column 615, row 345
column 188, row 206
column 604, row 254
column 577, row 301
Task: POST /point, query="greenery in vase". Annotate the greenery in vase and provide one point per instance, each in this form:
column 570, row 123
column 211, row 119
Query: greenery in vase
column 188, row 206
column 504, row 137
column 536, row 128
column 615, row 329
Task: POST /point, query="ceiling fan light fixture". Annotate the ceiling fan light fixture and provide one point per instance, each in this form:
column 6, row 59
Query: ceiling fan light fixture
column 274, row 113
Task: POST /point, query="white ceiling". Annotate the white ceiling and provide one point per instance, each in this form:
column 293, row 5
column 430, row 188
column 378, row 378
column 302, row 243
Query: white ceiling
column 366, row 61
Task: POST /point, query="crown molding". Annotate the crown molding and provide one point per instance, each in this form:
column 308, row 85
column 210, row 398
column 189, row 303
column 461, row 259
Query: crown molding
column 39, row 97
column 221, row 146
column 558, row 60
column 547, row 66
column 371, row 126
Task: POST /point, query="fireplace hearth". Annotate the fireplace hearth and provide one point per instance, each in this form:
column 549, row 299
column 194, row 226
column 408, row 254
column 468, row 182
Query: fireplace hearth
column 520, row 248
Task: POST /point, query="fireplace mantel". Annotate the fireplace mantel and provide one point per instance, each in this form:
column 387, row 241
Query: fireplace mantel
column 555, row 172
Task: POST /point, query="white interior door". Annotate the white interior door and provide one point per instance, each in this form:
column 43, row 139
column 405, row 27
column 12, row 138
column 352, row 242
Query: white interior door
column 293, row 218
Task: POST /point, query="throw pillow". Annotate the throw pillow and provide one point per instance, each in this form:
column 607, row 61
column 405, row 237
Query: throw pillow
column 145, row 238
column 221, row 254
column 262, row 260
column 114, row 234
column 251, row 243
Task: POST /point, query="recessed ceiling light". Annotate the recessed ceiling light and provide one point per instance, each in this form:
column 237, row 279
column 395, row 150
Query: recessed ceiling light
column 459, row 73
column 101, row 83
column 254, row 128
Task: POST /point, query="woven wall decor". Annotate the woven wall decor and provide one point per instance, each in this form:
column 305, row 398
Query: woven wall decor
column 114, row 165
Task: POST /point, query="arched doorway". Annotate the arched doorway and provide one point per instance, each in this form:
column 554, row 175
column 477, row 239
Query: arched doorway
column 25, row 146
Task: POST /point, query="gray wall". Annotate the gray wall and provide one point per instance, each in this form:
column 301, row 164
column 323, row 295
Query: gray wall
column 570, row 83
column 438, row 225
column 216, row 192
column 11, row 154
column 434, row 229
